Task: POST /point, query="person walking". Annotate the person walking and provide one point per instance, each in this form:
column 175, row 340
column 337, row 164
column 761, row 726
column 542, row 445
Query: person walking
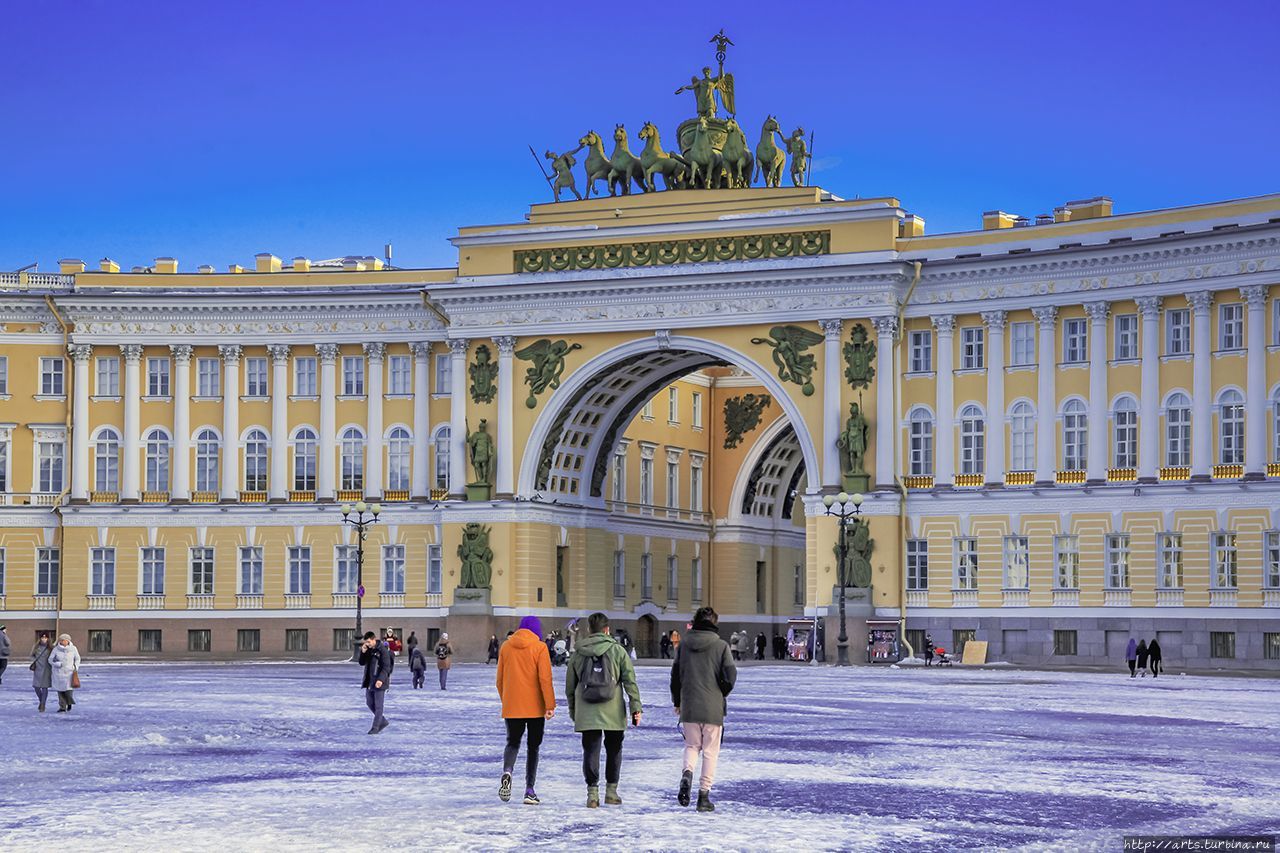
column 1142, row 657
column 928, row 650
column 411, row 643
column 377, row 660
column 528, row 702
column 392, row 643
column 4, row 652
column 417, row 666
column 64, row 665
column 761, row 644
column 1153, row 657
column 702, row 677
column 494, row 648
column 41, row 671
column 599, row 674
column 675, row 642
column 1131, row 655
column 665, row 645
column 444, row 651
column 735, row 645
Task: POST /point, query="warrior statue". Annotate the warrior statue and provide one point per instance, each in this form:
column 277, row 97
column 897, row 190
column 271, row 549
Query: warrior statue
column 563, row 165
column 799, row 157
column 853, row 442
column 480, row 448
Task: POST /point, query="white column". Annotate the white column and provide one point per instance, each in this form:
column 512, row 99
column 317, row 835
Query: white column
column 1046, row 395
column 131, row 451
column 181, row 422
column 1099, row 429
column 80, row 355
column 506, row 485
column 944, row 439
column 278, row 482
column 831, row 408
column 325, row 480
column 373, row 354
column 996, row 465
column 1149, row 405
column 1255, row 389
column 458, row 416
column 421, row 419
column 1201, row 386
column 230, row 421
column 886, row 417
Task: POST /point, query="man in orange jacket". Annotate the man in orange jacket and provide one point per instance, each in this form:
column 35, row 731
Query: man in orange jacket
column 528, row 701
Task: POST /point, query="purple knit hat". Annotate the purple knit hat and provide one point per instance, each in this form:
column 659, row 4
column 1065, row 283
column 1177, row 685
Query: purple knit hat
column 532, row 623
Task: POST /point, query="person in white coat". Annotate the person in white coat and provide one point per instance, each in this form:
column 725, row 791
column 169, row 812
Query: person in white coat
column 65, row 662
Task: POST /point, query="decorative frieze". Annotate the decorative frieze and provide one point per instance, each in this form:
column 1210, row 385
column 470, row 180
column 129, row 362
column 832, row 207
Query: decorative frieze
column 669, row 252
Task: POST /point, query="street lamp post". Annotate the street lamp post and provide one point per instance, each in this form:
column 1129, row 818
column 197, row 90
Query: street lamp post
column 839, row 506
column 361, row 522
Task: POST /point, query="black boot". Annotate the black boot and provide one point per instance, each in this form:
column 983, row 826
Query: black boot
column 686, row 784
column 704, row 802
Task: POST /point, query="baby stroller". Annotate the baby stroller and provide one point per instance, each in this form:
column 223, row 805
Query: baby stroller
column 940, row 657
column 560, row 653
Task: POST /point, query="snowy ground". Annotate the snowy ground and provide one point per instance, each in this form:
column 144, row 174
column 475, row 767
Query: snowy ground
column 275, row 757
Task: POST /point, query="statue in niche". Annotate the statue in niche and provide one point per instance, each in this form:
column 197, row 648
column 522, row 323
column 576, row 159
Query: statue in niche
column 852, row 443
column 484, row 372
column 856, row 571
column 859, row 353
column 481, row 450
column 742, row 415
column 476, row 557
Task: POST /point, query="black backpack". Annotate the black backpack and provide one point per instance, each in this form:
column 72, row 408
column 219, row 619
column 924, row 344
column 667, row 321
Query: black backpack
column 598, row 679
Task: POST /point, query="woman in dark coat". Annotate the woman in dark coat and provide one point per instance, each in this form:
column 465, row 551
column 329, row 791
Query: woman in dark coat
column 1131, row 655
column 493, row 649
column 1142, row 657
column 41, row 671
column 1153, row 658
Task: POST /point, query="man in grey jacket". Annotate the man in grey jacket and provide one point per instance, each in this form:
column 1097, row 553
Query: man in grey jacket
column 4, row 651
column 701, row 679
column 377, row 660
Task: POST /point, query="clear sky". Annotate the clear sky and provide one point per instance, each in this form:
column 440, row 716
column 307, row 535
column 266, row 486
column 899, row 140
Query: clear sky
column 214, row 130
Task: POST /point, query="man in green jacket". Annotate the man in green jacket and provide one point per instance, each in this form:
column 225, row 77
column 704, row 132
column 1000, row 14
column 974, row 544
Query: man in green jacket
column 598, row 674
column 701, row 679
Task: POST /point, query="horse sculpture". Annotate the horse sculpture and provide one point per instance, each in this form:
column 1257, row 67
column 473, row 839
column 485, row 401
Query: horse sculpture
column 704, row 160
column 624, row 166
column 597, row 165
column 769, row 157
column 738, row 162
column 673, row 168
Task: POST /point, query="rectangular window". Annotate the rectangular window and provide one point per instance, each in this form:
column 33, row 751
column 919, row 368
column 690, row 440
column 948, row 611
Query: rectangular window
column 251, row 571
column 618, row 475
column 52, row 456
column 960, row 636
column 797, row 586
column 344, row 570
column 108, row 377
column 53, row 377
column 972, row 356
column 157, row 377
column 695, row 488
column 673, row 578
column 48, row 567
column 299, row 570
column 152, row 572
column 1117, row 561
column 2, row 572
column 966, row 562
column 673, row 405
column 1022, row 344
column 4, row 464
column 304, row 376
column 202, row 571
column 673, row 484
column 199, row 640
column 646, row 481
column 148, row 640
column 918, row 564
column 696, row 570
column 444, row 375
column 1231, row 326
column 695, row 405
column 619, row 574
column 647, row 411
column 399, row 377
column 1271, row 645
column 1017, row 552
column 353, row 375
column 1222, row 644
column 1126, row 336
column 4, row 374
column 646, row 577
column 1177, row 331
column 1075, row 341
column 255, row 377
column 295, row 639
column 1271, row 560
column 248, row 640
column 102, row 571
column 100, row 641
column 1066, row 558
column 344, row 639
column 1224, row 560
column 921, row 344
column 393, row 569
column 1064, row 643
column 435, row 570
column 1170, row 561
column 208, row 377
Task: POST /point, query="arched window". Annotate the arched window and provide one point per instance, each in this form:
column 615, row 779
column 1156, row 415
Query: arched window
column 106, row 461
column 1275, row 431
column 255, row 461
column 1075, row 429
column 1022, row 436
column 157, row 447
column 399, row 445
column 207, row 461
column 442, row 457
column 304, row 460
column 1231, row 428
column 972, row 440
column 1177, row 431
column 352, row 459
column 1126, row 433
column 921, row 435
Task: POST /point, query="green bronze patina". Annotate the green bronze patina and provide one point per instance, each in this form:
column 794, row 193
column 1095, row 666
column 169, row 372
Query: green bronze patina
column 673, row 167
column 858, row 548
column 597, row 165
column 770, row 158
column 794, row 364
column 742, row 415
column 859, row 353
column 624, row 167
column 480, row 449
column 476, row 557
column 748, row 247
column 547, row 359
column 799, row 152
column 707, row 163
column 738, row 162
column 562, row 165
column 483, row 373
column 852, row 443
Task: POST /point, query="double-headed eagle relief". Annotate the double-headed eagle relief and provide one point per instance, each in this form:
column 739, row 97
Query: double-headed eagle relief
column 714, row 152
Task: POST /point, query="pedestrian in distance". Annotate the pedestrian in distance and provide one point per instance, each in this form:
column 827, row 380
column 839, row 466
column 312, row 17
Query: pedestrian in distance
column 528, row 702
column 1153, row 658
column 444, row 653
column 1131, row 655
column 392, row 643
column 664, row 645
column 411, row 643
column 675, row 642
column 4, row 652
column 494, row 648
column 64, row 664
column 702, row 677
column 418, row 667
column 735, row 645
column 599, row 684
column 41, row 670
column 1142, row 657
column 761, row 643
column 377, row 660
column 928, row 650
column 779, row 647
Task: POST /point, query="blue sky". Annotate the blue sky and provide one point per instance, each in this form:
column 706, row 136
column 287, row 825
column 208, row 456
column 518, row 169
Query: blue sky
column 212, row 131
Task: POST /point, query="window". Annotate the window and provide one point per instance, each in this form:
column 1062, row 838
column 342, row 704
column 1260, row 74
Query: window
column 199, row 640
column 152, row 581
column 2, row 575
column 961, row 636
column 1170, row 545
column 695, row 406
column 202, row 571
column 1275, row 322
column 1066, row 558
column 295, row 639
column 619, row 574
column 921, row 344
column 1271, row 643
column 346, row 570
column 399, row 446
column 1231, row 428
column 4, row 462
column 157, row 449
column 1117, row 561
column 157, row 377
column 1271, row 560
column 251, row 571
column 1016, row 556
column 207, row 461
column 102, row 571
column 255, row 377
column 393, row 569
column 255, row 461
column 353, row 375
column 1022, row 436
column 1075, row 341
column 1022, row 344
column 1222, row 644
column 917, row 564
column 1231, row 326
column 352, row 459
column 1125, row 423
column 966, row 576
column 647, row 411
column 4, row 374
column 971, row 348
column 1075, row 423
column 399, row 377
column 299, row 570
column 673, row 405
column 921, row 442
column 444, row 375
column 972, row 440
column 148, row 640
column 1177, row 426
column 646, row 577
column 248, row 640
column 1177, row 331
column 1064, row 643
column 696, row 570
column 52, row 457
column 304, row 376
column 442, row 457
column 304, row 460
column 695, row 488
column 435, row 569
column 646, row 480
column 1126, row 336
column 208, row 377
column 100, row 641
column 106, row 461
column 108, row 377
column 1224, row 560
column 618, row 473
column 673, row 484
column 1275, row 431
column 344, row 639
column 673, row 578
column 48, row 567
column 53, row 377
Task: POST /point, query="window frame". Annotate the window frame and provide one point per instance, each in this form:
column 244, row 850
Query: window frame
column 1170, row 566
column 208, row 377
column 1224, row 560
column 973, row 342
column 399, row 375
column 393, row 568
column 111, row 375
column 1016, row 551
column 200, row 570
column 306, row 376
column 299, row 565
column 102, row 571
column 1126, row 342
column 256, row 377
column 53, row 376
column 965, row 565
column 1231, row 327
column 159, row 376
column 1117, row 565
column 917, row 564
column 1124, row 433
column 151, row 571
column 1022, row 335
column 1177, row 332
column 1066, row 561
column 48, row 570
column 1177, row 431
column 250, row 570
column 1075, row 340
column 921, row 351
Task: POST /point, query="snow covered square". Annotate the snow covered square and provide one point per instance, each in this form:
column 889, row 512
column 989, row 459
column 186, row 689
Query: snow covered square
column 274, row 756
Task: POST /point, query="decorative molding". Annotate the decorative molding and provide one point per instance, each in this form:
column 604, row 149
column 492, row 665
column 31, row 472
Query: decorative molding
column 886, row 326
column 1149, row 305
column 420, row 349
column 458, row 347
column 181, row 354
column 230, row 353
column 944, row 323
column 375, row 351
column 664, row 338
column 132, row 353
column 831, row 329
column 279, row 353
column 995, row 320
column 1200, row 300
column 1098, row 311
column 80, row 352
column 328, row 353
column 1255, row 296
column 669, row 252
column 1046, row 315
column 506, row 345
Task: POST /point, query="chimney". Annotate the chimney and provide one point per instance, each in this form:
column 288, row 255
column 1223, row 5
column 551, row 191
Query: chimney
column 108, row 265
column 994, row 219
column 372, row 263
column 302, row 265
column 911, row 226
column 353, row 264
column 267, row 262
column 1061, row 214
column 1044, row 219
column 1021, row 222
column 1089, row 208
column 205, row 269
column 70, row 266
column 166, row 265
column 235, row 268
